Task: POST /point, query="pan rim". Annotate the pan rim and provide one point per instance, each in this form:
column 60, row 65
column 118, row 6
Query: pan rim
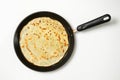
column 70, row 39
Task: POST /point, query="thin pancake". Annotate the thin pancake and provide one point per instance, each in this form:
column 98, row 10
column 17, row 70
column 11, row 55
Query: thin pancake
column 43, row 41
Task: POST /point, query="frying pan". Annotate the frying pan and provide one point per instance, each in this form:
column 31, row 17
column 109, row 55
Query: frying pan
column 89, row 24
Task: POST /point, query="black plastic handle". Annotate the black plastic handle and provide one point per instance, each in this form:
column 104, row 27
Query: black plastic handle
column 97, row 21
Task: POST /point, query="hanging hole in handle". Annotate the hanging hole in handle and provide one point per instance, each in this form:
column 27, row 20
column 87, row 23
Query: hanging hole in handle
column 106, row 18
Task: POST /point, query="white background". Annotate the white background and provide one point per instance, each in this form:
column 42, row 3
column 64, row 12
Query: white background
column 96, row 54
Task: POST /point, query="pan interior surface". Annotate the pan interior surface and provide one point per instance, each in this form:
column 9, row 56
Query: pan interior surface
column 44, row 41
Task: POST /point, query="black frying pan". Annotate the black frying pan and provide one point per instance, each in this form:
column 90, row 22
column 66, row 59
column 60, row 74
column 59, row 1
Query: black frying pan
column 99, row 20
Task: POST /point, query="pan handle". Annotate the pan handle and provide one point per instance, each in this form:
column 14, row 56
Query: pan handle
column 94, row 22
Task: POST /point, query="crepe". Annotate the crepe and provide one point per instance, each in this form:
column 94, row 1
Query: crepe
column 43, row 41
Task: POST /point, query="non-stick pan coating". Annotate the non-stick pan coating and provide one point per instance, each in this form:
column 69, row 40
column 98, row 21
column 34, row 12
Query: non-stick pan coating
column 70, row 39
